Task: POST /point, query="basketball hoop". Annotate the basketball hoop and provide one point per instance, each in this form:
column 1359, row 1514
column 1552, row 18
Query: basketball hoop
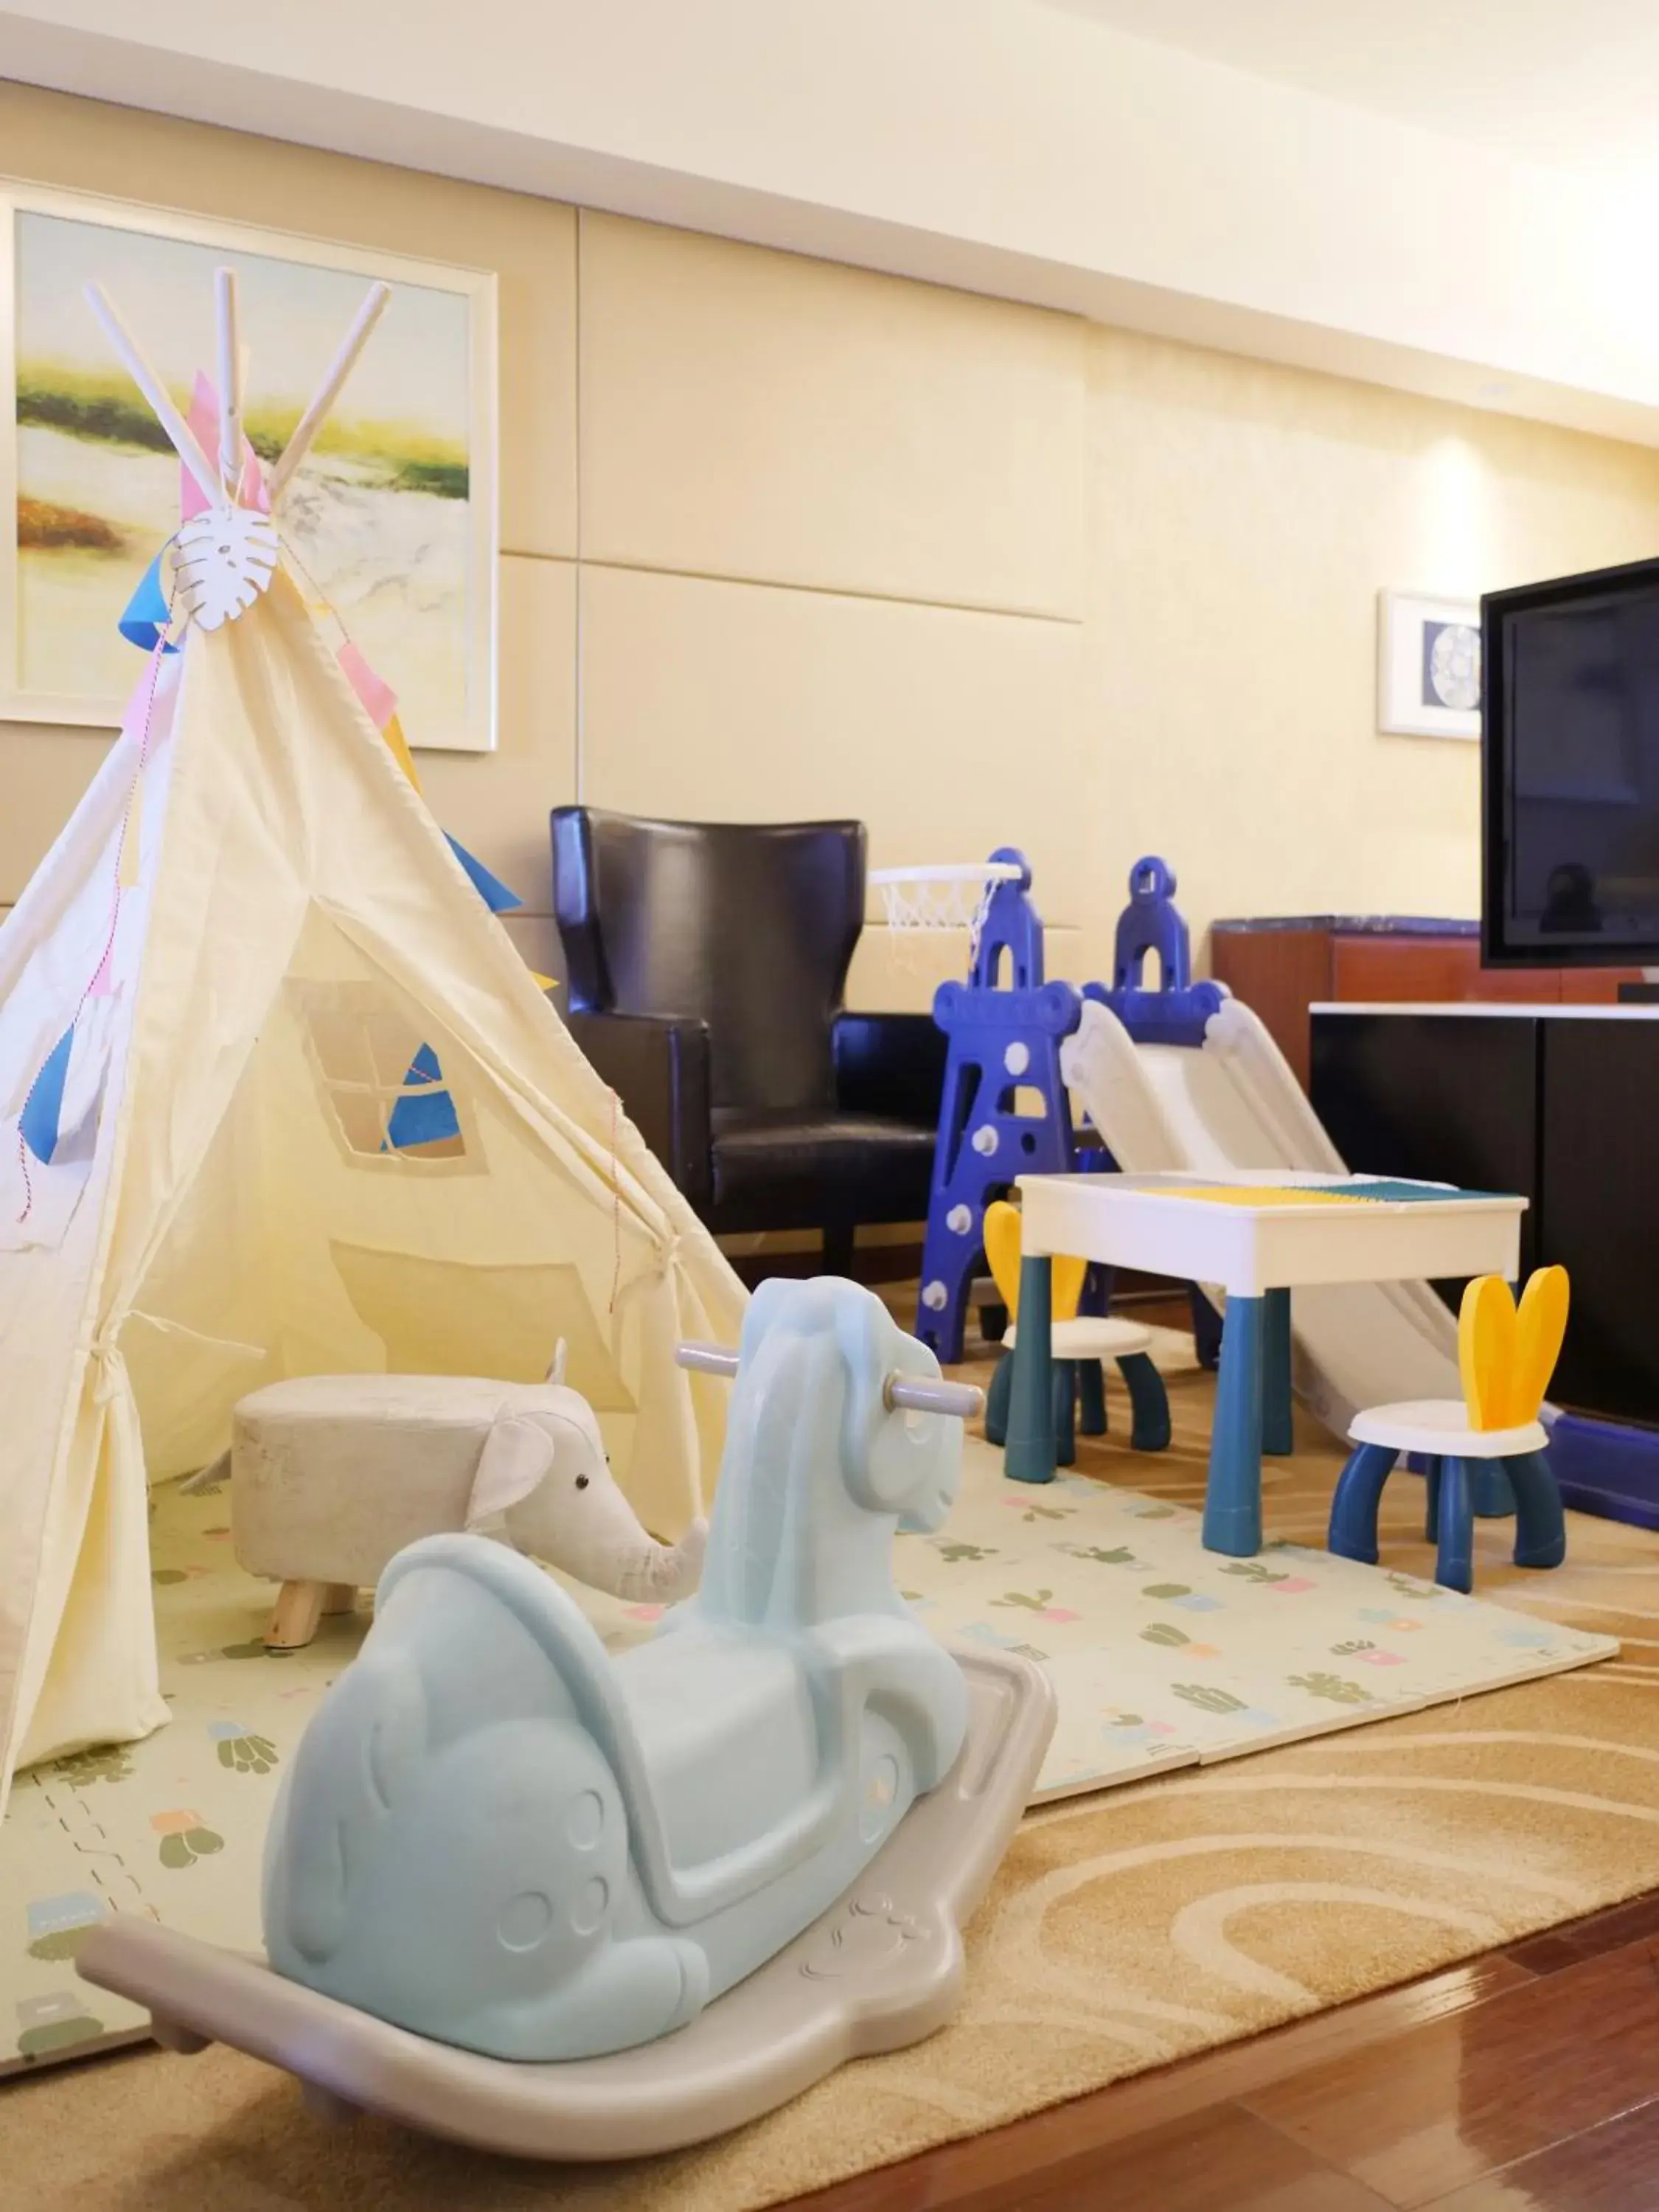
column 931, row 900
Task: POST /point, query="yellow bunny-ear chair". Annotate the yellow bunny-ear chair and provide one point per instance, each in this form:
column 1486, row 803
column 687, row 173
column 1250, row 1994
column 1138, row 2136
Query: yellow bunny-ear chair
column 1002, row 1256
column 1540, row 1325
column 1485, row 1350
column 1491, row 1444
column 1506, row 1357
column 1077, row 1348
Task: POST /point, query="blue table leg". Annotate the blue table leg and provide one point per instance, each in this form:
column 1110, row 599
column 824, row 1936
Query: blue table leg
column 1278, row 1427
column 1030, row 1453
column 1232, row 1502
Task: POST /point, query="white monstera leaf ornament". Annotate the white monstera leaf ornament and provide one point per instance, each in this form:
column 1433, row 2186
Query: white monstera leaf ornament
column 223, row 559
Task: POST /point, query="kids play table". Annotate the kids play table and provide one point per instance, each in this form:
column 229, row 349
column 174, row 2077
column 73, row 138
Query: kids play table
column 1257, row 1235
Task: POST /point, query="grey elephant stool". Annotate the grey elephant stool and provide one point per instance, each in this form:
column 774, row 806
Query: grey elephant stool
column 331, row 1475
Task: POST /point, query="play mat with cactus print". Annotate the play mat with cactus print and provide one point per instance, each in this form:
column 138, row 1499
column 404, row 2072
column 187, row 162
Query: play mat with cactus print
column 1163, row 1656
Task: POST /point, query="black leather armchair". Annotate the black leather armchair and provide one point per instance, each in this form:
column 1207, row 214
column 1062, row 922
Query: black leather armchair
column 707, row 964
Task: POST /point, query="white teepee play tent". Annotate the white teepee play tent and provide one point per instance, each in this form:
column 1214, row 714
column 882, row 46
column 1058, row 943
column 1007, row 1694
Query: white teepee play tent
column 278, row 1096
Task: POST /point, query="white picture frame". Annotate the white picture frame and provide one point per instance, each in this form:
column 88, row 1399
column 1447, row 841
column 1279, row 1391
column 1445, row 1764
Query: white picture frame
column 392, row 520
column 1425, row 644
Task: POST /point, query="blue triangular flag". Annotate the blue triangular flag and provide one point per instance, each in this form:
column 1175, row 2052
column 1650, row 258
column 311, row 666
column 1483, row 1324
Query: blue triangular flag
column 38, row 1122
column 490, row 889
column 147, row 610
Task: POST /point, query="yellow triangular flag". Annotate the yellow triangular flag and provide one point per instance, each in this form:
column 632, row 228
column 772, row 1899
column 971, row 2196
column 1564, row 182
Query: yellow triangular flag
column 394, row 734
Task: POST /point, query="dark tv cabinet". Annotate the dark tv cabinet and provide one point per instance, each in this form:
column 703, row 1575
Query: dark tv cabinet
column 1280, row 967
column 1557, row 1101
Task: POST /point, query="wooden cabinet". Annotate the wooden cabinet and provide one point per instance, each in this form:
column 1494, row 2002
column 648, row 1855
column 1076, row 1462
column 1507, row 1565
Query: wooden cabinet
column 1280, row 968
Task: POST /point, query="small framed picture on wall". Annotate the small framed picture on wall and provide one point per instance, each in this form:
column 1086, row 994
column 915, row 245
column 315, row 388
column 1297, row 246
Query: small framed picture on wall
column 1428, row 666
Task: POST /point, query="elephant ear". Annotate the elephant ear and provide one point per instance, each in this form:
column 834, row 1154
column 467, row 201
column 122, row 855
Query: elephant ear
column 517, row 1456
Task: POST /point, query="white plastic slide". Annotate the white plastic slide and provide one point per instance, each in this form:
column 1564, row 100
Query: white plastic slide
column 1233, row 1102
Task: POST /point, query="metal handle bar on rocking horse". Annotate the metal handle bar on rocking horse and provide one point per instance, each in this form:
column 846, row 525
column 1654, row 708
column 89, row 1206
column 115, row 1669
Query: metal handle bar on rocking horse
column 901, row 1393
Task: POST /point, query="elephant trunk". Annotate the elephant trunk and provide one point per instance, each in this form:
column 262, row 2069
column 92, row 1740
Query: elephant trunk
column 659, row 1574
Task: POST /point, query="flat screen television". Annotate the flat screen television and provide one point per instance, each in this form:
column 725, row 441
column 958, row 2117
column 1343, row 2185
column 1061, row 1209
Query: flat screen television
column 1569, row 767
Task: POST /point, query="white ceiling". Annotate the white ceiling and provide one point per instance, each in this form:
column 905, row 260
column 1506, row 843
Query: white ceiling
column 1564, row 82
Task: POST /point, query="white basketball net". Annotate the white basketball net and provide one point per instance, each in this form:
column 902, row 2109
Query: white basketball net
column 922, row 901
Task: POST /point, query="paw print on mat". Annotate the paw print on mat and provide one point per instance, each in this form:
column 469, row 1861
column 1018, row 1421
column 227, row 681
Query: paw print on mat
column 184, row 1838
column 241, row 1750
column 111, row 1762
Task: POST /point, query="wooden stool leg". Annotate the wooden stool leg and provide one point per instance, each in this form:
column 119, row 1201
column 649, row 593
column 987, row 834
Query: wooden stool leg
column 1353, row 1506
column 1091, row 1398
column 1540, row 1530
column 1454, row 1566
column 1149, row 1402
column 294, row 1620
column 339, row 1597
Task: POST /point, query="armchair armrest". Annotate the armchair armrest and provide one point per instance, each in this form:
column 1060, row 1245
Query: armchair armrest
column 658, row 1066
column 890, row 1064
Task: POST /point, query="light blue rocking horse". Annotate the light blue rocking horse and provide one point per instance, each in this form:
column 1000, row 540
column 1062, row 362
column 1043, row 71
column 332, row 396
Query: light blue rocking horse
column 502, row 1838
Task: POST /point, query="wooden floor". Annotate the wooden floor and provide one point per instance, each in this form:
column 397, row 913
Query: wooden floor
column 1527, row 2082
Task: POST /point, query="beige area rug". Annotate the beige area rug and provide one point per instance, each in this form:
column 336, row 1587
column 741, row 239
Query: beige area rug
column 1126, row 1928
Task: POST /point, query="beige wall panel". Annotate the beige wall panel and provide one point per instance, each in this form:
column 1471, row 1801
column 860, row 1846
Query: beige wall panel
column 497, row 803
column 899, row 973
column 1245, row 517
column 44, row 770
column 85, row 146
column 948, row 733
column 758, row 415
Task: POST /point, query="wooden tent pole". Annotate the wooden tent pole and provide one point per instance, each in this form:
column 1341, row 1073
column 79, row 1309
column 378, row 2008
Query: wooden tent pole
column 230, row 382
column 329, row 390
column 183, row 439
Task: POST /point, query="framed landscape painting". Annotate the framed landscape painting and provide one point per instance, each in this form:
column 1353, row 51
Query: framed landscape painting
column 389, row 524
